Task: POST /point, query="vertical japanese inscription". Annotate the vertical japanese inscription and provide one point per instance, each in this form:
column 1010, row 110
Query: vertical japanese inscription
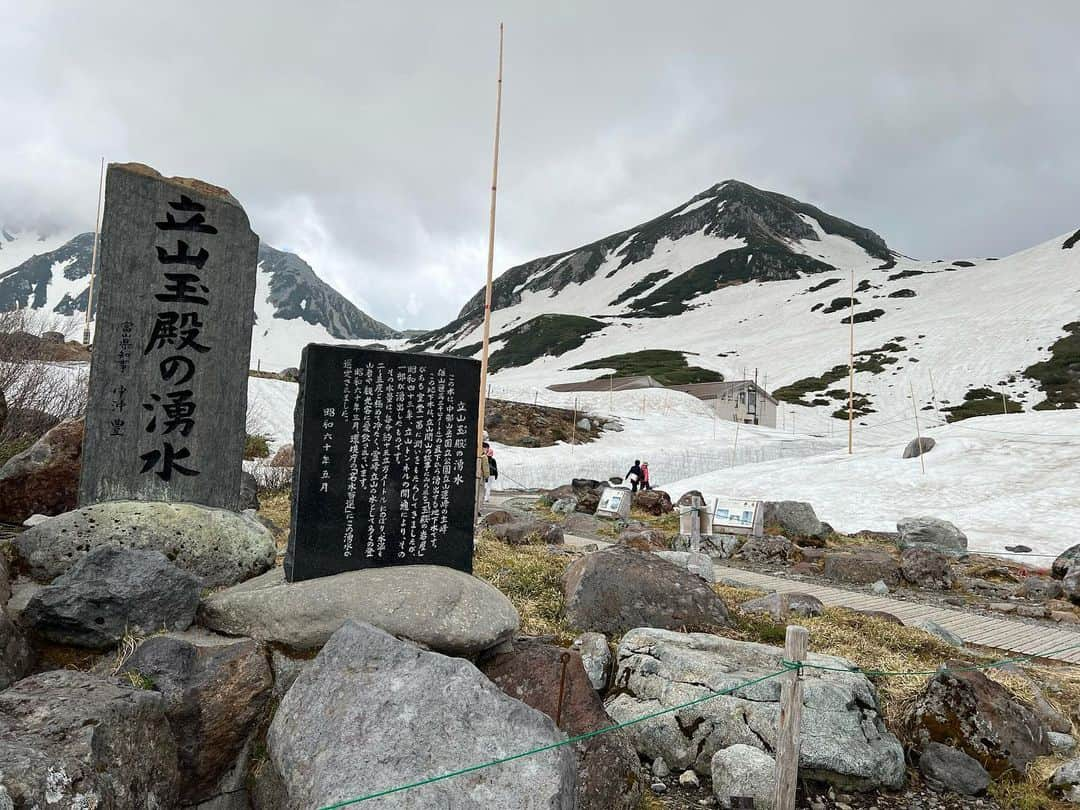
column 168, row 387
column 384, row 474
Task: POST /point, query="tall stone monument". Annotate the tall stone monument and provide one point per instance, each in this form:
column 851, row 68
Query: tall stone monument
column 385, row 461
column 172, row 342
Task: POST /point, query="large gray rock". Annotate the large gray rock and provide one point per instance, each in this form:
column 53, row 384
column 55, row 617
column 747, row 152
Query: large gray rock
column 935, row 629
column 743, row 772
column 595, row 658
column 441, row 608
column 695, row 562
column 216, row 690
column 1070, row 585
column 916, row 447
column 931, row 532
column 16, row 657
column 780, row 606
column 980, row 717
column 862, row 567
column 374, row 712
column 767, row 549
column 1065, row 781
column 947, row 768
column 1069, row 558
column 844, row 740
column 794, row 518
column 44, row 478
column 249, row 491
column 110, row 592
column 927, row 568
column 218, row 546
column 617, row 589
column 70, row 739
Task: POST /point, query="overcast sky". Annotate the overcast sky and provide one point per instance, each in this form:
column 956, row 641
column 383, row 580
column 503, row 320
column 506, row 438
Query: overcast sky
column 359, row 134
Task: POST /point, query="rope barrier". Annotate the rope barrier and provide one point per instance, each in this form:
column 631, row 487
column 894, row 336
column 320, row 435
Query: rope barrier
column 561, row 743
column 786, row 666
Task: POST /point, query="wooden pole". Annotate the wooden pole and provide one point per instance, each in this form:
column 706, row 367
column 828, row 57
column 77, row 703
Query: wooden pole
column 611, row 392
column 735, row 445
column 573, row 426
column 851, row 371
column 490, row 271
column 789, row 730
column 93, row 258
column 918, row 435
column 1004, row 403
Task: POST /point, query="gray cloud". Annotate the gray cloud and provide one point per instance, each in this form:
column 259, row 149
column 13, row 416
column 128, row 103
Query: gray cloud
column 359, row 135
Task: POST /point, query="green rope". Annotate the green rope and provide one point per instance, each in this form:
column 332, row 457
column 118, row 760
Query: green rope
column 559, row 744
column 787, row 666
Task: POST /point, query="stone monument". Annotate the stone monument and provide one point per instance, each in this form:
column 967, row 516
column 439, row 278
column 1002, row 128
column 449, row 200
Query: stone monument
column 168, row 378
column 385, row 461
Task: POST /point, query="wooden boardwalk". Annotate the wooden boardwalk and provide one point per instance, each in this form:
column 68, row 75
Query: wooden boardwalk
column 983, row 631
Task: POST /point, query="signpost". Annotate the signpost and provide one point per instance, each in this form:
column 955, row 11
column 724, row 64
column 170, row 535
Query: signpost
column 731, row 516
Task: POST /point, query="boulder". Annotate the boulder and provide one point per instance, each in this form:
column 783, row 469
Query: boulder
column 249, row 491
column 655, row 502
column 442, row 608
column 980, row 717
column 284, row 457
column 926, row 568
column 565, row 506
column 743, row 772
column 553, row 495
column 74, row 740
column 5, row 577
column 879, row 588
column 916, row 447
column 1040, row 589
column 16, row 657
column 584, row 424
column 844, row 739
column 45, row 477
column 688, row 498
column 587, row 503
column 644, row 539
column 609, row 774
column 1065, row 781
column 794, row 519
column 110, row 592
column 595, row 657
column 767, row 549
column 218, row 546
column 781, row 606
column 880, row 615
column 216, row 690
column 940, row 535
column 935, row 629
column 291, row 373
column 498, row 517
column 1070, row 586
column 1061, row 743
column 577, row 523
column 617, row 589
column 862, row 567
column 445, row 715
column 693, row 561
column 947, row 768
column 1067, row 559
column 528, row 531
column 586, row 486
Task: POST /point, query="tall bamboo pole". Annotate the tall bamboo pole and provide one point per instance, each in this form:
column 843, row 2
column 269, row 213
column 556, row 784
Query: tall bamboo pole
column 851, row 371
column 918, row 433
column 490, row 271
column 93, row 258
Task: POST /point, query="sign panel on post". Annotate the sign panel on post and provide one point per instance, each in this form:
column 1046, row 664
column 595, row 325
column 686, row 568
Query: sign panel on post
column 737, row 517
column 385, row 461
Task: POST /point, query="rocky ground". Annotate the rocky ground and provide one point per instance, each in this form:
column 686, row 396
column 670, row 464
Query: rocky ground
column 522, row 425
column 168, row 631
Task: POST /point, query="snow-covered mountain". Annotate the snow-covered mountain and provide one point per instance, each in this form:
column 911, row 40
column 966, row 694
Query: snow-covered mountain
column 293, row 306
column 743, row 280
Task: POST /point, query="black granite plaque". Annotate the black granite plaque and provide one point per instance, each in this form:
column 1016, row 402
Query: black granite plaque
column 385, row 470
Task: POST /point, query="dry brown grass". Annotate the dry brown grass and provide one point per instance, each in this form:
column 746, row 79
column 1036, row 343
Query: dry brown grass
column 531, row 578
column 277, row 507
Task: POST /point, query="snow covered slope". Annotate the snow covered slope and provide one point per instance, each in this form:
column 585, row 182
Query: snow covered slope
column 293, row 306
column 746, row 280
column 1004, row 480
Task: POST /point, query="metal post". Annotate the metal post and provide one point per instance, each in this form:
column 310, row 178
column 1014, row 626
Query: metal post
column 788, row 732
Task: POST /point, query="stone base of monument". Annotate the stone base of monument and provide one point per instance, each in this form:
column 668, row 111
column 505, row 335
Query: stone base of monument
column 219, row 546
column 714, row 545
column 441, row 608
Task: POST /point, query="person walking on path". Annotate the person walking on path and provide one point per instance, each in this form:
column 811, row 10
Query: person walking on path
column 489, row 470
column 645, row 476
column 635, row 475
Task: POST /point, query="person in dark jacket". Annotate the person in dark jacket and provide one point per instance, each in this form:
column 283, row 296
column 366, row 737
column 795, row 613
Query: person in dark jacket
column 635, row 476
